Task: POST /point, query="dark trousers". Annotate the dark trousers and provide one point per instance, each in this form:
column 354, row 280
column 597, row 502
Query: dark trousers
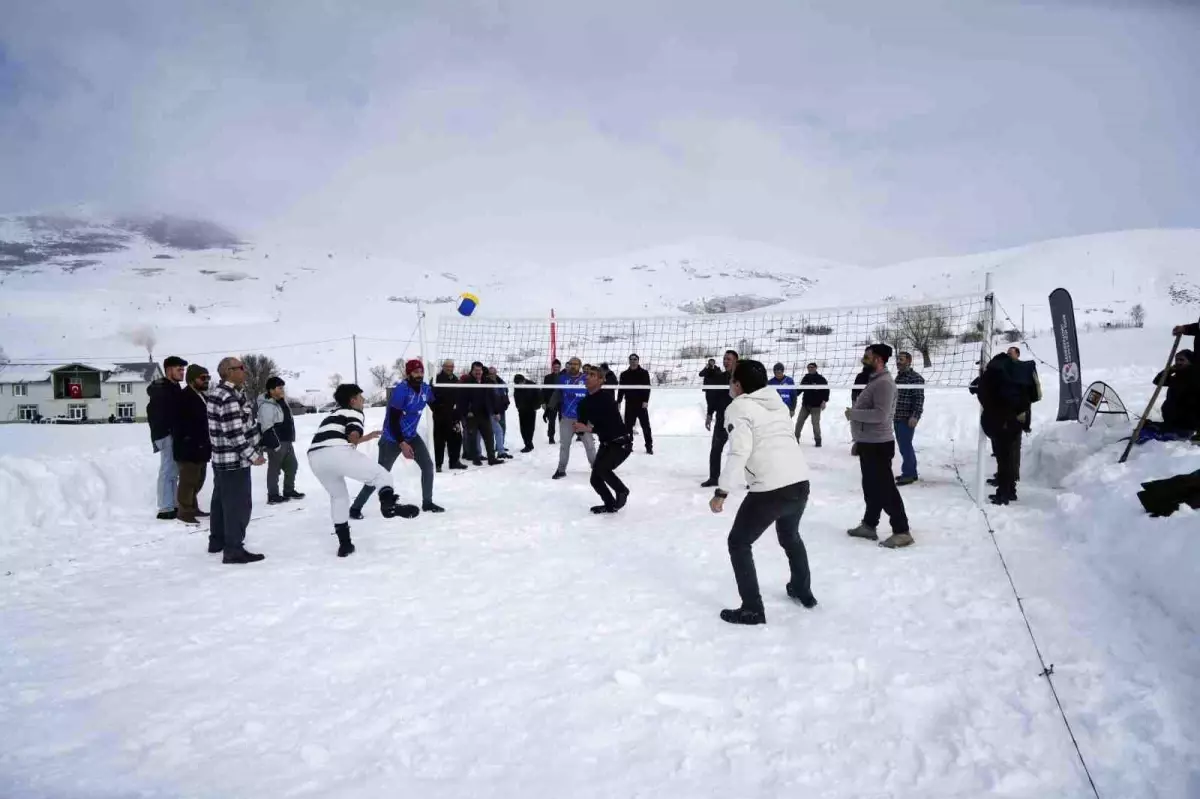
column 191, row 482
column 480, row 426
column 604, row 477
column 552, row 416
column 1016, row 457
column 528, row 418
column 782, row 507
column 231, row 508
column 445, row 437
column 639, row 413
column 389, row 451
column 283, row 459
column 719, row 436
column 1005, row 445
column 879, row 486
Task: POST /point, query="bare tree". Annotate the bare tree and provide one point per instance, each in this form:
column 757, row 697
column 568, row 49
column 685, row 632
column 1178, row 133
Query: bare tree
column 1138, row 314
column 924, row 328
column 335, row 380
column 3, row 356
column 145, row 338
column 258, row 368
column 381, row 374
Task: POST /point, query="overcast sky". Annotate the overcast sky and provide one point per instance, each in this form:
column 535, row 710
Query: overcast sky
column 554, row 130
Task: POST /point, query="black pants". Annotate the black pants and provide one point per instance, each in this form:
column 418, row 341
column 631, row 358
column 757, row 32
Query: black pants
column 783, row 507
column 636, row 412
column 528, row 418
column 445, row 437
column 231, row 507
column 481, row 425
column 604, row 477
column 719, row 436
column 389, row 453
column 552, row 416
column 879, row 486
column 1016, row 457
column 1005, row 444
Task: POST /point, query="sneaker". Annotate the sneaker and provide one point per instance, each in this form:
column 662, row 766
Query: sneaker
column 598, row 509
column 897, row 540
column 167, row 515
column 744, row 616
column 622, row 498
column 356, row 514
column 429, row 507
column 242, row 556
column 710, row 483
column 807, row 600
column 276, row 500
column 863, row 531
column 292, row 495
column 560, row 474
column 905, row 481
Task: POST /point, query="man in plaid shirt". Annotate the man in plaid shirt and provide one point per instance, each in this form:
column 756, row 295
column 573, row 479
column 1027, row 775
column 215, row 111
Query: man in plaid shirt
column 236, row 447
column 910, row 403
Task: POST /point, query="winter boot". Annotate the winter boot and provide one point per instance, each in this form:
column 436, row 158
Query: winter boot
column 863, row 531
column 429, row 507
column 215, row 546
column 356, row 514
column 276, row 500
column 167, row 515
column 622, row 498
column 744, row 615
column 342, row 531
column 242, row 556
column 293, row 494
column 710, row 483
column 599, row 509
column 897, row 540
column 390, row 508
column 560, row 474
column 807, row 600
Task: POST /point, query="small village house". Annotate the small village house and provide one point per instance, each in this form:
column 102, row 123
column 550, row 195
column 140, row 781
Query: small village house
column 79, row 392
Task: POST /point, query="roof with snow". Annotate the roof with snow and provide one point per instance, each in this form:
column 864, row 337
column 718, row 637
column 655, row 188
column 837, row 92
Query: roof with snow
column 143, row 372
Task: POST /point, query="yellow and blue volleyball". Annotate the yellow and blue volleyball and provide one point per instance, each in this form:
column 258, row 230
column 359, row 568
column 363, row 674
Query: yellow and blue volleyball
column 467, row 303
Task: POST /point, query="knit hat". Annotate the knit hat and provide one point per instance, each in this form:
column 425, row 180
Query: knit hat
column 274, row 382
column 413, row 365
column 882, row 350
column 194, row 371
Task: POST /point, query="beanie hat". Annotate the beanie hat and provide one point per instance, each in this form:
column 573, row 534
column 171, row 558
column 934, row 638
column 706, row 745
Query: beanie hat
column 274, row 381
column 413, row 365
column 194, row 371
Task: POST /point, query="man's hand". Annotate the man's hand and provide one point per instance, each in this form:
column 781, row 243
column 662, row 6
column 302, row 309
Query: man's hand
column 406, row 450
column 847, row 413
column 823, row 404
column 546, row 417
column 912, row 421
column 458, row 427
column 792, row 411
column 371, row 436
column 582, row 428
column 259, row 460
column 716, row 504
column 1177, row 330
column 854, row 449
column 645, row 405
column 708, row 423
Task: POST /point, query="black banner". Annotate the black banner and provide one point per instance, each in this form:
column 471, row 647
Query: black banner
column 1070, row 387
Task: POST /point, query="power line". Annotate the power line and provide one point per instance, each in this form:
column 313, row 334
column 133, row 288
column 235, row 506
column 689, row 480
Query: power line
column 42, row 361
column 1024, row 340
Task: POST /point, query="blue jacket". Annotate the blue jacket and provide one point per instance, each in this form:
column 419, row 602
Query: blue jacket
column 572, row 396
column 405, row 406
column 787, row 395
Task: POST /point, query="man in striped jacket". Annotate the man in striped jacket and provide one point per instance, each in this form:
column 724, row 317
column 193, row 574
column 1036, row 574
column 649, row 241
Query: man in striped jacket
column 910, row 404
column 236, row 446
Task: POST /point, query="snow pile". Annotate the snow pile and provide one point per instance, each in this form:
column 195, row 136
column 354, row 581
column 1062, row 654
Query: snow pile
column 1055, row 452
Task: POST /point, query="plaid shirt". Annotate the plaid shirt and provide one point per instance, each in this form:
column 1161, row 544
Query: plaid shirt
column 909, row 402
column 231, row 428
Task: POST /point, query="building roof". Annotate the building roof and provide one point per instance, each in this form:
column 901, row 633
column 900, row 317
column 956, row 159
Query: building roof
column 17, row 373
column 141, row 372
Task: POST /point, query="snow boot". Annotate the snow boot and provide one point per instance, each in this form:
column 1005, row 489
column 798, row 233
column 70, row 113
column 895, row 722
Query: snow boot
column 710, row 483
column 242, row 556
column 391, row 508
column 807, row 600
column 429, row 507
column 277, row 500
column 622, row 498
column 863, row 531
column 527, row 448
column 897, row 540
column 560, row 474
column 599, row 509
column 356, row 514
column 342, row 531
column 744, row 615
column 167, row 515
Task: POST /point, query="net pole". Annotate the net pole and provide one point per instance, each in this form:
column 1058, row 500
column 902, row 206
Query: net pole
column 985, row 355
column 424, row 354
column 553, row 341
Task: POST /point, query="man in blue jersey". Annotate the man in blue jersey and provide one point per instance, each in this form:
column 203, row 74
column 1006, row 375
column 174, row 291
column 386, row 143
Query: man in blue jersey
column 572, row 391
column 400, row 437
column 788, row 395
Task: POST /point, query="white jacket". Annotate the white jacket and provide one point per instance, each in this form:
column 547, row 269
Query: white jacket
column 762, row 444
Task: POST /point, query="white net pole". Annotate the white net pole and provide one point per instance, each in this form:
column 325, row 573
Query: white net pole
column 985, row 354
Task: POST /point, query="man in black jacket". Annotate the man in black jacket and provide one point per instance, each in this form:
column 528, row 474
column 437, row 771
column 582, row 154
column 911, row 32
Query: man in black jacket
column 447, row 429
column 598, row 415
column 812, row 402
column 551, row 399
column 610, row 377
column 1001, row 397
column 718, row 401
column 637, row 401
column 1181, row 407
column 160, row 411
column 476, row 410
column 528, row 401
column 190, row 444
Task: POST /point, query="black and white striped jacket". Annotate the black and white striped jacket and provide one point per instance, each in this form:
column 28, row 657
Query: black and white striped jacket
column 336, row 428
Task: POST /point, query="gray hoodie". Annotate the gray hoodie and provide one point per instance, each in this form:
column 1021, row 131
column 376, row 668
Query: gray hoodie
column 872, row 414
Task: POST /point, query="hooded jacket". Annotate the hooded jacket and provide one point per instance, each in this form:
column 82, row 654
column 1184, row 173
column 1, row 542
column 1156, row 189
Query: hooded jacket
column 873, row 413
column 763, row 449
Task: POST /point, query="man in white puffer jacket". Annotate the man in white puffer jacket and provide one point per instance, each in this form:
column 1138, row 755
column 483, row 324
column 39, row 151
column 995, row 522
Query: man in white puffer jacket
column 764, row 453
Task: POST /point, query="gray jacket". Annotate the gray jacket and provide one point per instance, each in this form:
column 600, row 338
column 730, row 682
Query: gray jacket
column 872, row 414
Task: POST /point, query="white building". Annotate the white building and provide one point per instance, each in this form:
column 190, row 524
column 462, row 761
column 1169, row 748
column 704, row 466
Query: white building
column 79, row 392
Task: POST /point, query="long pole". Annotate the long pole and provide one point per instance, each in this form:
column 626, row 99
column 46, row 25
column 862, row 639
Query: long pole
column 424, row 356
column 1137, row 431
column 985, row 355
column 354, row 339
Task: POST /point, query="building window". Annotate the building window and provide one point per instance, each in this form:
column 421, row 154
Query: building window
column 77, row 412
column 126, row 388
column 27, row 413
column 20, row 390
column 126, row 410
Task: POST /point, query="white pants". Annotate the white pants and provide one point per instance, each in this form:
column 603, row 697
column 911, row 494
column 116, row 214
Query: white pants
column 332, row 465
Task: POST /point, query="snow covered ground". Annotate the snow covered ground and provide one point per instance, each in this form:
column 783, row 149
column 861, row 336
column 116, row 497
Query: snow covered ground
column 517, row 645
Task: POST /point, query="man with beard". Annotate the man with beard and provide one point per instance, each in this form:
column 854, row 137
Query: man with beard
column 190, row 444
column 528, row 401
column 476, row 409
column 637, row 400
column 164, row 394
column 718, row 401
column 551, row 399
column 598, row 415
column 572, row 392
column 447, row 430
column 910, row 404
column 400, row 436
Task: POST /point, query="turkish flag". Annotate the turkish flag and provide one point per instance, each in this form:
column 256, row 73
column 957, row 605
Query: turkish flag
column 75, row 390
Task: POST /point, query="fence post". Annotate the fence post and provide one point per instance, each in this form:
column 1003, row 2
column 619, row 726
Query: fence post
column 354, row 344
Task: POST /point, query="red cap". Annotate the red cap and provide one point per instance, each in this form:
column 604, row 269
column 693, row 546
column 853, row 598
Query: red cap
column 413, row 365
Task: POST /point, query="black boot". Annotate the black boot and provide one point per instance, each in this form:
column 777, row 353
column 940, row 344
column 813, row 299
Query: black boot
column 356, row 514
column 241, row 556
column 622, row 498
column 276, row 500
column 215, row 545
column 390, row 508
column 807, row 600
column 603, row 509
column 430, row 507
column 710, row 483
column 744, row 615
column 342, row 531
column 292, row 494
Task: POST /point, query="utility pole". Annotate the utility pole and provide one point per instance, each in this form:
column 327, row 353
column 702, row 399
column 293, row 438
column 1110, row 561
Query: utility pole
column 1022, row 320
column 354, row 339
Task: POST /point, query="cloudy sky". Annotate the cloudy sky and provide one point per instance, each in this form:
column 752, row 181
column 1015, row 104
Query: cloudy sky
column 549, row 130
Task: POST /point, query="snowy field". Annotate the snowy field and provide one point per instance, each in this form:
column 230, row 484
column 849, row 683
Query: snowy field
column 519, row 646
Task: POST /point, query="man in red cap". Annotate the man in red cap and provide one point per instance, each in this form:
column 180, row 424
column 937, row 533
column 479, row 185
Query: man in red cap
column 406, row 403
